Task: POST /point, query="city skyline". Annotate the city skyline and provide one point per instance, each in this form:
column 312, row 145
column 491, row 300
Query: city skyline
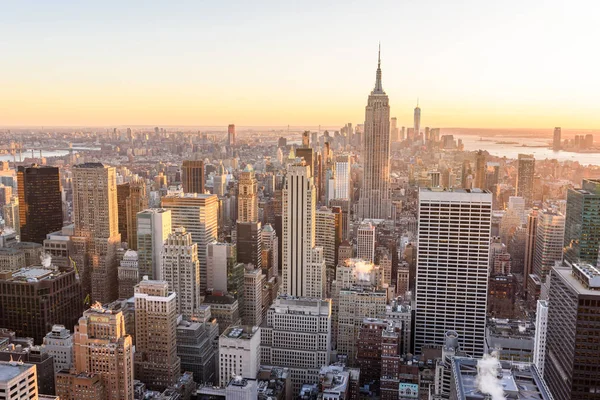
column 503, row 59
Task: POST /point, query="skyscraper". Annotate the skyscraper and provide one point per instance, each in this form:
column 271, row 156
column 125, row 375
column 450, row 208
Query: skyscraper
column 549, row 242
column 572, row 351
column 417, row 124
column 525, row 173
column 96, row 236
column 231, row 135
column 122, row 195
column 394, row 130
column 532, row 220
column 153, row 228
column 181, row 270
column 102, row 347
column 156, row 361
column 582, row 226
column 193, row 176
column 375, row 197
column 365, row 242
column 452, row 267
column 198, row 214
column 342, row 177
column 556, row 142
column 303, row 264
column 480, row 170
column 134, row 203
column 40, row 202
column 247, row 196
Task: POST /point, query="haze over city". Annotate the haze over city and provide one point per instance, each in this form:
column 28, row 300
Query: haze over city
column 472, row 64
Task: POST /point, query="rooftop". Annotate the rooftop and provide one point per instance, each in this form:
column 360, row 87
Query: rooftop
column 31, row 274
column 12, row 369
column 240, row 332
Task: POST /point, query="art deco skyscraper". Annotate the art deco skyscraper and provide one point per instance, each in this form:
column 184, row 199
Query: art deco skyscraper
column 193, row 176
column 156, row 361
column 40, row 202
column 102, row 347
column 452, row 267
column 303, row 263
column 181, row 270
column 375, row 197
column 525, row 174
column 247, row 196
column 96, row 236
column 198, row 214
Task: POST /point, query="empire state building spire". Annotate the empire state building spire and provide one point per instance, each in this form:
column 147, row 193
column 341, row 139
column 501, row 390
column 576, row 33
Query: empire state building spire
column 378, row 87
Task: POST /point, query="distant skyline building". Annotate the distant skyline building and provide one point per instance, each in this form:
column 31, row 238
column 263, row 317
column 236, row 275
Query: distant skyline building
column 192, row 172
column 480, row 170
column 525, row 177
column 40, row 202
column 342, row 177
column 374, row 199
column 417, row 121
column 452, row 269
column 556, row 142
column 231, row 135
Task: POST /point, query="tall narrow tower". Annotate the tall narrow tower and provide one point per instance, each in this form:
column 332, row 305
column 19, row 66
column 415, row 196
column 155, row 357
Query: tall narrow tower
column 193, row 176
column 375, row 197
column 417, row 120
column 247, row 196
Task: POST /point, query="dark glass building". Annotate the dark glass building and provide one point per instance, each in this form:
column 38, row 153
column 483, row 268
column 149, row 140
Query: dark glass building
column 193, row 176
column 40, row 202
column 582, row 224
column 249, row 243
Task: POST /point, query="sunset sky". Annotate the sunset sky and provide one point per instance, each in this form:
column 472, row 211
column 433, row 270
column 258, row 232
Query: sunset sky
column 528, row 64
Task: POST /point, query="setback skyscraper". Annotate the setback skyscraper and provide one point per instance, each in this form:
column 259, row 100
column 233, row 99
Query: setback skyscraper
column 375, row 196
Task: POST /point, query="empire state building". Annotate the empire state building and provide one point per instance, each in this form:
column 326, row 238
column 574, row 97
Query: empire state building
column 374, row 200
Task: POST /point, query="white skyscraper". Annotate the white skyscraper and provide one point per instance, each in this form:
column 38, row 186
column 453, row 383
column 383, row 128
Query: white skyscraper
column 59, row 344
column 375, row 196
column 549, row 242
column 365, row 242
column 154, row 226
column 452, row 267
column 181, row 270
column 303, row 263
column 541, row 327
column 239, row 353
column 342, row 177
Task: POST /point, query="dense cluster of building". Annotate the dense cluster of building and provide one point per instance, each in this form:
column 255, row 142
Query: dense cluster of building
column 377, row 261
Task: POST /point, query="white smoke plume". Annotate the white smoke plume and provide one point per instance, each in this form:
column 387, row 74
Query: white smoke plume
column 46, row 260
column 487, row 379
column 363, row 270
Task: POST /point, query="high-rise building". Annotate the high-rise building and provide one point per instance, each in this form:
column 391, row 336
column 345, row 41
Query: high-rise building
column 156, row 361
column 40, row 202
column 525, row 177
column 452, row 267
column 270, row 244
column 480, row 170
column 123, row 191
column 96, row 236
column 220, row 181
column 549, row 242
column 254, row 281
column 394, row 130
column 556, row 141
column 225, row 273
column 572, row 353
column 59, row 344
column 231, row 135
column 181, row 270
column 328, row 233
column 417, row 121
column 198, row 214
column 82, row 386
column 33, row 299
column 239, row 353
column 18, row 381
column 192, row 177
column 342, row 177
column 103, row 347
column 303, row 264
column 582, row 225
column 195, row 348
column 134, row 203
column 129, row 274
column 541, row 329
column 530, row 239
column 365, row 242
column 247, row 196
column 249, row 243
column 375, row 193
column 303, row 349
column 153, row 228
